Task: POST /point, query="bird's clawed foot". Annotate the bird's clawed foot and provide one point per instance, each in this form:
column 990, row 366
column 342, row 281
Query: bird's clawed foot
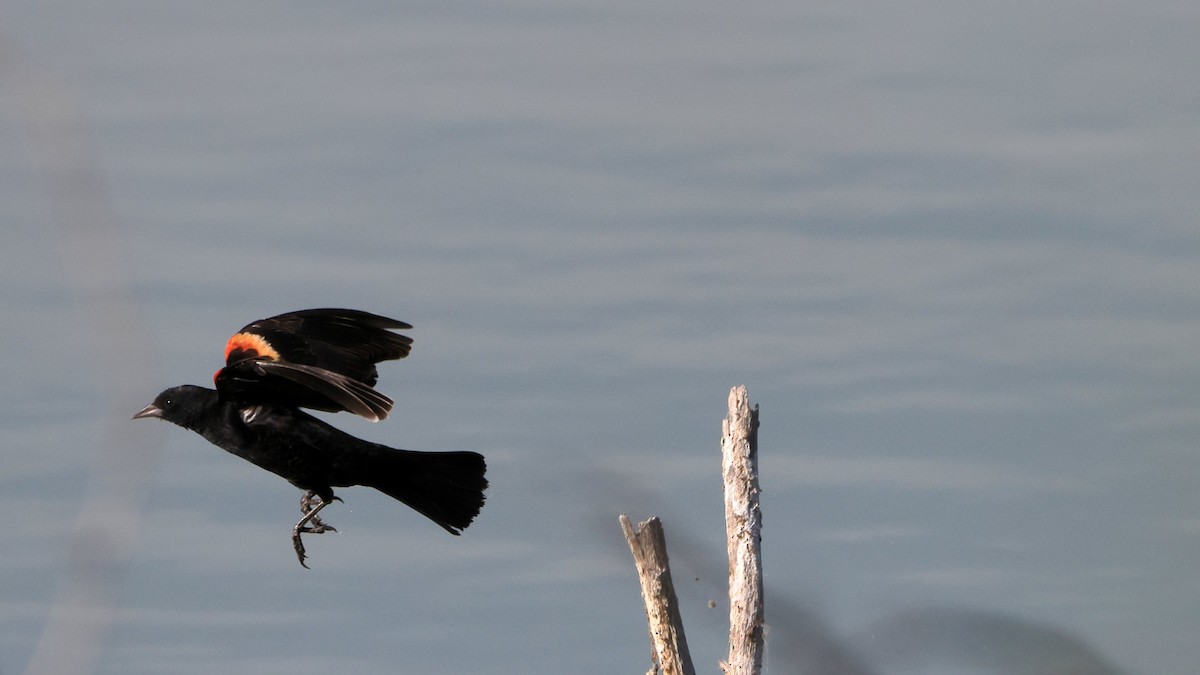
column 310, row 523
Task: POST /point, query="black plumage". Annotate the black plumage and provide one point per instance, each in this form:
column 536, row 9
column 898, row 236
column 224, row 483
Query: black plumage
column 323, row 359
column 255, row 413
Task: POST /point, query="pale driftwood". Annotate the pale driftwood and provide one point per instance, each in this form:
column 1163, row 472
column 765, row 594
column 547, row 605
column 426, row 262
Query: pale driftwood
column 743, row 531
column 648, row 544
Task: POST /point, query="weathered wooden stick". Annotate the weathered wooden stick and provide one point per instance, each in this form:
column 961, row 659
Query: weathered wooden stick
column 743, row 531
column 648, row 544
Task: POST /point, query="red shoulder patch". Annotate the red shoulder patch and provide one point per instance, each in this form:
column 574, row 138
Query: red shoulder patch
column 249, row 346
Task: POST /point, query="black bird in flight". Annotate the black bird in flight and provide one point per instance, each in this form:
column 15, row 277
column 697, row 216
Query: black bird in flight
column 322, row 359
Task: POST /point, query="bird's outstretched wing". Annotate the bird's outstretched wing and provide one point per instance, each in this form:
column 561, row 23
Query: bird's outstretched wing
column 322, row 359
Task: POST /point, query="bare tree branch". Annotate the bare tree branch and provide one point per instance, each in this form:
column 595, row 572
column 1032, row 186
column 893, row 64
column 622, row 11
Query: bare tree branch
column 648, row 544
column 743, row 530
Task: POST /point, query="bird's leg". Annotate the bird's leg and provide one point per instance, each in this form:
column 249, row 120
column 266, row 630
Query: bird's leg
column 310, row 517
column 316, row 526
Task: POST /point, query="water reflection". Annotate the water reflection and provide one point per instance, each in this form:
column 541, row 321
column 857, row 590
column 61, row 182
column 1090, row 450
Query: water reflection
column 951, row 251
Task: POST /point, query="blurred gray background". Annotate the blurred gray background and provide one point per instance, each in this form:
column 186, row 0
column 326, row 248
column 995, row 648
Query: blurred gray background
column 952, row 249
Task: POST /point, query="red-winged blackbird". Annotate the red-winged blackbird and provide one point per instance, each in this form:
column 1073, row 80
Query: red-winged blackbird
column 322, row 359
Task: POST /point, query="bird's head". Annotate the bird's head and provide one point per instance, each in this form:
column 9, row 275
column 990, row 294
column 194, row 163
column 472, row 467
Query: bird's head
column 183, row 405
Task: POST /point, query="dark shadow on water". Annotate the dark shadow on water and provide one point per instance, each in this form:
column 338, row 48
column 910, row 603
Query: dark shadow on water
column 955, row 639
column 801, row 641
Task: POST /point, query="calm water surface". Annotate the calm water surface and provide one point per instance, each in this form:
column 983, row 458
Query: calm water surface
column 952, row 251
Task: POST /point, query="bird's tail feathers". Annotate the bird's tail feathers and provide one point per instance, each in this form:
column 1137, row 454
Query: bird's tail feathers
column 446, row 487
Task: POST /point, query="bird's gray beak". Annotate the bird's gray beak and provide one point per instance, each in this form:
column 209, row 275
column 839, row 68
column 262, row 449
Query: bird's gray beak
column 149, row 411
